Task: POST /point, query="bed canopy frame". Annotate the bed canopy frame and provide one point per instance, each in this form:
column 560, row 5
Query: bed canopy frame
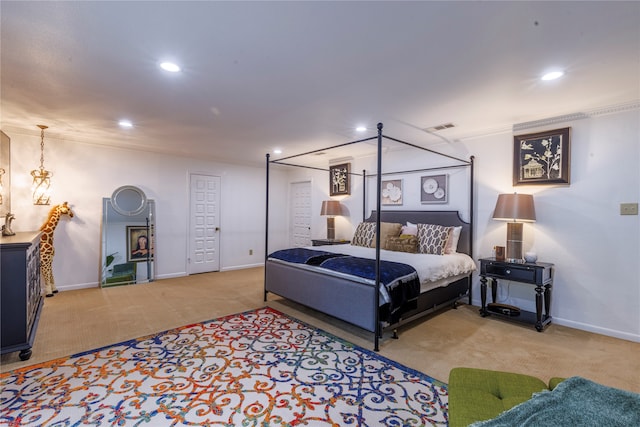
column 459, row 163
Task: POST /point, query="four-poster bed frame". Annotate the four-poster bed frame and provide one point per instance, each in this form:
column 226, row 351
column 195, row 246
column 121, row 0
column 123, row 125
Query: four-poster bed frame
column 337, row 296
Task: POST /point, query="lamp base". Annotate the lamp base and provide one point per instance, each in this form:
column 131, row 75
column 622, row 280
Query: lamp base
column 331, row 228
column 514, row 242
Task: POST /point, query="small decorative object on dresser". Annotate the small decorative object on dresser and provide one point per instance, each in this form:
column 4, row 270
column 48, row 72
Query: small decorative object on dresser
column 6, row 228
column 530, row 257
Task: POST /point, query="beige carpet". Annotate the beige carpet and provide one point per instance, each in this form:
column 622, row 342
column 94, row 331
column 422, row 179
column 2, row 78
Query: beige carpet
column 85, row 319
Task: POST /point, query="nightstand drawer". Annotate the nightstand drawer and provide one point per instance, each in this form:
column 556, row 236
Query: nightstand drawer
column 538, row 273
column 509, row 272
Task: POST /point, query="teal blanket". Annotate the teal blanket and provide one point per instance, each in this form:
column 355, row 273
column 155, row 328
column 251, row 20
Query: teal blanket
column 574, row 402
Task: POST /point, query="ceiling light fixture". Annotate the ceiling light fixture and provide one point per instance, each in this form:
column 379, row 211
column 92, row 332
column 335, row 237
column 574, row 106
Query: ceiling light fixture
column 361, row 129
column 41, row 178
column 125, row 123
column 553, row 75
column 277, row 151
column 170, row 66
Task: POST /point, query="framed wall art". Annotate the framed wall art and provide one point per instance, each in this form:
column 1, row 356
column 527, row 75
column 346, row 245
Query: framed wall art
column 139, row 243
column 542, row 158
column 391, row 192
column 434, row 189
column 340, row 179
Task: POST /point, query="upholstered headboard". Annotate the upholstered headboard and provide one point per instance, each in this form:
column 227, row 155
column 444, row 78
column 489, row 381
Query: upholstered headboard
column 447, row 218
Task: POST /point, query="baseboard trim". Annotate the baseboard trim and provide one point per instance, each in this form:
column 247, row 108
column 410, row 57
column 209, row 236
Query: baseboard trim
column 242, row 267
column 597, row 330
column 78, row 286
column 586, row 327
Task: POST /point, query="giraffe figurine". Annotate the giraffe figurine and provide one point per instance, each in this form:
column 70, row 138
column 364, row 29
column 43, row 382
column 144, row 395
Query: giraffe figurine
column 46, row 245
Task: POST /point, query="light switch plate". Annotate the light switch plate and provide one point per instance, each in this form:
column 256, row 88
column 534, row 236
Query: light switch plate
column 628, row 209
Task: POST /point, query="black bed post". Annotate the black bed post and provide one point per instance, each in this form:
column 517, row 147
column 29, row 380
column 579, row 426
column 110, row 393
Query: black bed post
column 266, row 230
column 364, row 194
column 471, row 226
column 378, row 204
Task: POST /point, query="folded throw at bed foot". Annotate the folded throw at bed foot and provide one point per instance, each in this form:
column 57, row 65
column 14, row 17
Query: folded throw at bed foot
column 303, row 256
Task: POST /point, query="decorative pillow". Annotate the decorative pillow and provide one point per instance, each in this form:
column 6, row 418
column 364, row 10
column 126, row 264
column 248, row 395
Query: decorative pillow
column 432, row 238
column 410, row 228
column 387, row 229
column 452, row 244
column 402, row 244
column 364, row 234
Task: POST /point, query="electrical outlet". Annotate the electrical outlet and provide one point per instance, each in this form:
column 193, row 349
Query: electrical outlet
column 250, row 251
column 628, row 209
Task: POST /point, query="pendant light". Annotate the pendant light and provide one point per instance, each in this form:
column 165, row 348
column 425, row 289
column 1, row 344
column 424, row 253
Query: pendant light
column 41, row 178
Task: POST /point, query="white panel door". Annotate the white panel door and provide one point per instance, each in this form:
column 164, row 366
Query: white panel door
column 300, row 218
column 204, row 224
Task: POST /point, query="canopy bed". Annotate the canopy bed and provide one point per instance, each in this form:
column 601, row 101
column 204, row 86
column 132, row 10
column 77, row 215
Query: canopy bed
column 375, row 282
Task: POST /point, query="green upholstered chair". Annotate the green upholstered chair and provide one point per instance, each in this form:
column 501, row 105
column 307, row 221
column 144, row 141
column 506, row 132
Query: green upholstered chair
column 123, row 274
column 480, row 394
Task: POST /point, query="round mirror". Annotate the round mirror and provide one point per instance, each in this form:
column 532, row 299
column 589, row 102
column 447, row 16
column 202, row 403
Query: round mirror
column 129, row 200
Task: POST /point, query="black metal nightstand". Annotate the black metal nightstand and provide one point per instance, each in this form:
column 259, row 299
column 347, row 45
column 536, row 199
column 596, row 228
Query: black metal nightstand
column 539, row 274
column 321, row 242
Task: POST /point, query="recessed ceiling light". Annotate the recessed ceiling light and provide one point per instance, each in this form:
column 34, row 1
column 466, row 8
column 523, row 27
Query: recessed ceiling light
column 553, row 75
column 277, row 151
column 125, row 123
column 361, row 129
column 170, row 66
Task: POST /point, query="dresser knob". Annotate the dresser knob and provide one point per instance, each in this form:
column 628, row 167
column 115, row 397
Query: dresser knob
column 508, row 272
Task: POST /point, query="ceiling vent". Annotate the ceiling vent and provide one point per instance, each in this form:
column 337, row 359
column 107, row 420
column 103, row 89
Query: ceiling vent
column 439, row 127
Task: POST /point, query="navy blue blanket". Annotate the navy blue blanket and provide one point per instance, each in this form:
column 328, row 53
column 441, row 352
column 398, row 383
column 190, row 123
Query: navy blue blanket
column 400, row 281
column 303, row 256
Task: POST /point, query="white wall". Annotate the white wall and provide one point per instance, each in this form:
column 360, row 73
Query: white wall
column 84, row 174
column 596, row 251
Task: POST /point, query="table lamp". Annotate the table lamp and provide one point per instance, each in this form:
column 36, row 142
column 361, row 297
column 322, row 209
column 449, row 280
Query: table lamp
column 515, row 208
column 330, row 209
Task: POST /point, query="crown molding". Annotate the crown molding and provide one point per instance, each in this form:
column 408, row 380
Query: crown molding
column 595, row 112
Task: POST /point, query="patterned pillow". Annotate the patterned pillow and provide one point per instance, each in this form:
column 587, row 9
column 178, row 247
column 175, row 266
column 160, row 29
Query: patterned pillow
column 387, row 229
column 452, row 244
column 364, row 234
column 402, row 244
column 432, row 238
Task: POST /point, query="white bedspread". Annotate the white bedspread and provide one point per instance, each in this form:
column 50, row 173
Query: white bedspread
column 430, row 268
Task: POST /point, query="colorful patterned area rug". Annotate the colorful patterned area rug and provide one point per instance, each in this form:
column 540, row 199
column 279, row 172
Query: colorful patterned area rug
column 259, row 368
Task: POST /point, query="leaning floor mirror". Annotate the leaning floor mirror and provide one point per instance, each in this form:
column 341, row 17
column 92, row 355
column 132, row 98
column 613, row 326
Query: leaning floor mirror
column 128, row 238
